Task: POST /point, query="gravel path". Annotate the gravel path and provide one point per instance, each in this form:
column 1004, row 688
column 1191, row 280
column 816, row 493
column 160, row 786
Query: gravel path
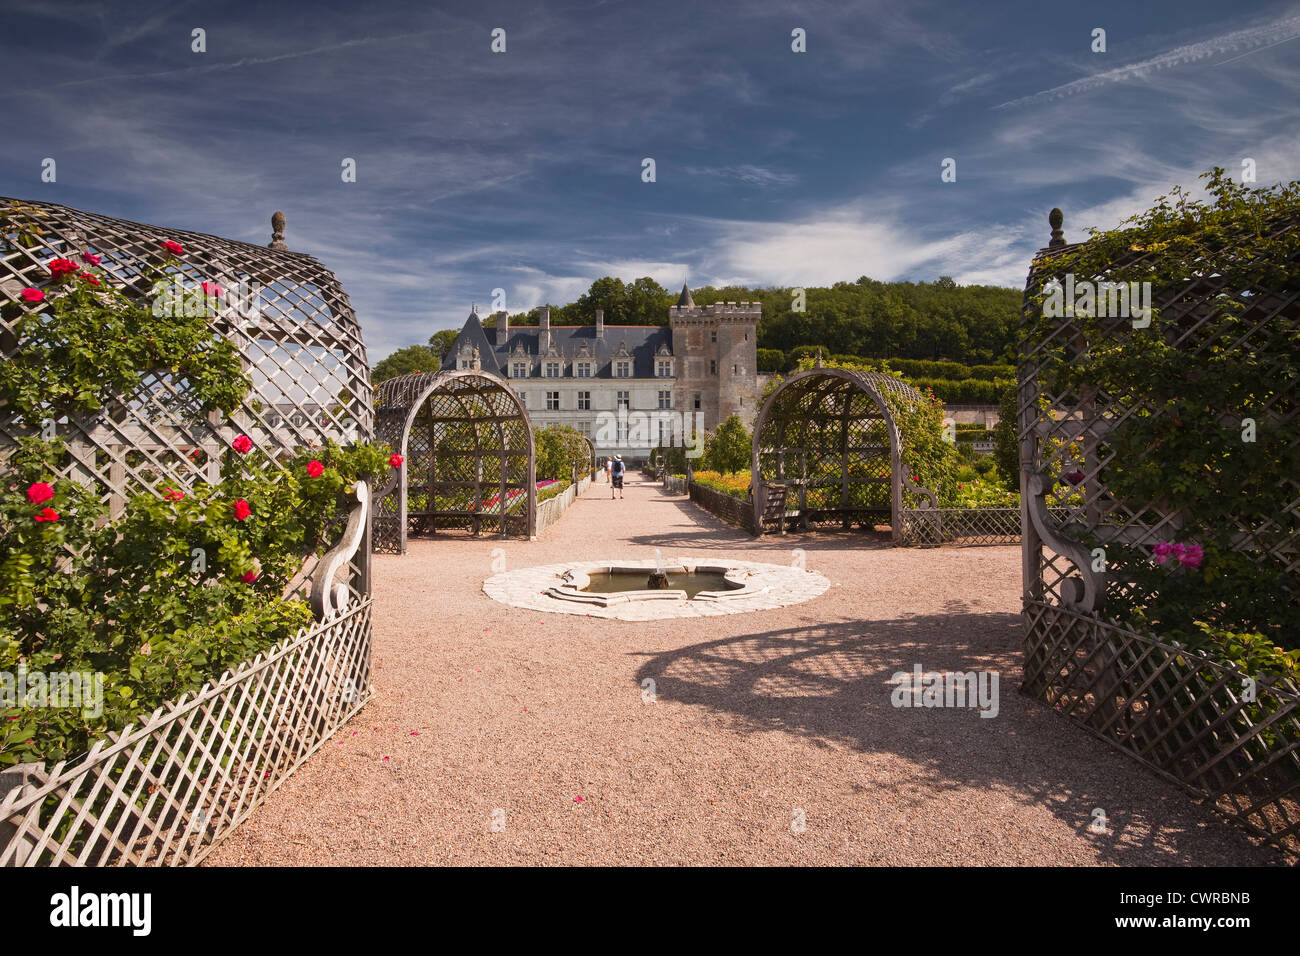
column 759, row 721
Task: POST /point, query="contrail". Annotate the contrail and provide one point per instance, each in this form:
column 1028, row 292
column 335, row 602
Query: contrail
column 232, row 65
column 1262, row 37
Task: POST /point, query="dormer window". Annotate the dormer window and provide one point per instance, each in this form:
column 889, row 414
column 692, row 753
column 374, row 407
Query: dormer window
column 519, row 370
column 552, row 369
column 622, row 369
column 582, row 370
column 664, row 368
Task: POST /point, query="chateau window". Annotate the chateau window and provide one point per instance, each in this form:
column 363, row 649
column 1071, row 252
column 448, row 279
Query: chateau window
column 584, row 401
column 583, row 370
column 713, row 336
column 665, row 398
column 622, row 369
column 713, row 366
column 697, row 401
column 464, row 363
column 552, row 401
column 552, row 369
column 523, row 398
column 735, row 369
column 624, row 399
column 519, row 370
column 664, row 368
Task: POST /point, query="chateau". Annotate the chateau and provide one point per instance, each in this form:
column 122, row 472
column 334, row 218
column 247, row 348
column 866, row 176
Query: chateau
column 627, row 387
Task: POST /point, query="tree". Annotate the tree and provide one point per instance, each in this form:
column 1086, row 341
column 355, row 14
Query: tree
column 558, row 449
column 413, row 358
column 728, row 449
column 771, row 360
column 1006, row 445
column 440, row 342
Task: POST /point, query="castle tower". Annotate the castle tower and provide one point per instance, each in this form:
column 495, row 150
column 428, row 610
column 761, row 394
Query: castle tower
column 717, row 355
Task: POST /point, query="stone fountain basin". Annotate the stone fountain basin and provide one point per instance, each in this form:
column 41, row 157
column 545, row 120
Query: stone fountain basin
column 575, row 580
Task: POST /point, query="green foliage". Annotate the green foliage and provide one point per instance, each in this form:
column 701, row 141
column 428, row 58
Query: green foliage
column 771, row 360
column 440, row 342
column 156, row 600
column 559, row 450
column 413, row 358
column 728, row 449
column 91, row 341
column 1006, row 441
column 1182, row 447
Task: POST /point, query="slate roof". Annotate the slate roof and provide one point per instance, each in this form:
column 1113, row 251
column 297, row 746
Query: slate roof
column 641, row 344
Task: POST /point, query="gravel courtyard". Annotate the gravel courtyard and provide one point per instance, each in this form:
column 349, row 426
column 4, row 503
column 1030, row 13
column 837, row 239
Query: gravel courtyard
column 756, row 722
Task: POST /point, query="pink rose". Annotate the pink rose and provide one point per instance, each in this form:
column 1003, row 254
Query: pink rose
column 88, row 277
column 31, row 295
column 1192, row 556
column 46, row 514
column 91, row 260
column 173, row 494
column 1161, row 551
column 395, row 460
column 243, row 444
column 212, row 290
column 242, row 510
column 249, row 577
column 315, row 469
column 175, row 248
column 62, row 267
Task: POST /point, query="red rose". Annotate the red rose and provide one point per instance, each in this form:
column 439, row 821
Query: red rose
column 243, row 444
column 92, row 260
column 31, row 295
column 173, row 494
column 175, row 248
column 62, row 267
column 242, row 511
column 47, row 514
column 395, row 460
column 88, row 277
column 249, row 577
column 39, row 493
column 212, row 289
column 314, row 469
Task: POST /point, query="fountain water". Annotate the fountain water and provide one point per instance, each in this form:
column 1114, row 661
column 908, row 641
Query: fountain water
column 658, row 577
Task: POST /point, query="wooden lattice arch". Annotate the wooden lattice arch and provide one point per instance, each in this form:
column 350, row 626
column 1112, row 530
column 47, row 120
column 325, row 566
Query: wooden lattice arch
column 827, row 451
column 469, row 457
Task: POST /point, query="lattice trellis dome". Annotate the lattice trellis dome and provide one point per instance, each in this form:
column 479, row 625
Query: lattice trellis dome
column 827, row 449
column 1184, row 713
column 469, row 457
column 291, row 321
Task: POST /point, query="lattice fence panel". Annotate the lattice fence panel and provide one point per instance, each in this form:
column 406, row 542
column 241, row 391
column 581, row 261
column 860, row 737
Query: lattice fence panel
column 1182, row 714
column 167, row 791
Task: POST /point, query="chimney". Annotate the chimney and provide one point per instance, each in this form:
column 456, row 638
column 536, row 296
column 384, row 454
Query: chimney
column 503, row 327
column 544, row 329
column 600, row 323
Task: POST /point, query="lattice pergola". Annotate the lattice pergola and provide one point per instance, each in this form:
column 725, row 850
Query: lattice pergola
column 290, row 319
column 469, row 457
column 827, row 451
column 1182, row 714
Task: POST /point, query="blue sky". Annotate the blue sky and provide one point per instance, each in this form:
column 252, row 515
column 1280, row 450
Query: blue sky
column 522, row 170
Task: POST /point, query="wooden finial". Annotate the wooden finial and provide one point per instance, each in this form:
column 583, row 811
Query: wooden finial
column 818, row 363
column 277, row 232
column 1056, row 217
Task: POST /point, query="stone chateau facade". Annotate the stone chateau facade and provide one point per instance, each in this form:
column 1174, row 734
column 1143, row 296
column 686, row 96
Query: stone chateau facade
column 627, row 387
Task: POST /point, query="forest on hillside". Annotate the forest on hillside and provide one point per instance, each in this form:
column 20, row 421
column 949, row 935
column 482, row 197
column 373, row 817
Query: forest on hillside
column 971, row 325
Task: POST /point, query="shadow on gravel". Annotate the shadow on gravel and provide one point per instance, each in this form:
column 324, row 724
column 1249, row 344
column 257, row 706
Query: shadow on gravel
column 834, row 682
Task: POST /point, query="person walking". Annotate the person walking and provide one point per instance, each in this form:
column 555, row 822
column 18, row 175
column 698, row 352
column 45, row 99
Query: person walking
column 616, row 471
column 609, row 467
